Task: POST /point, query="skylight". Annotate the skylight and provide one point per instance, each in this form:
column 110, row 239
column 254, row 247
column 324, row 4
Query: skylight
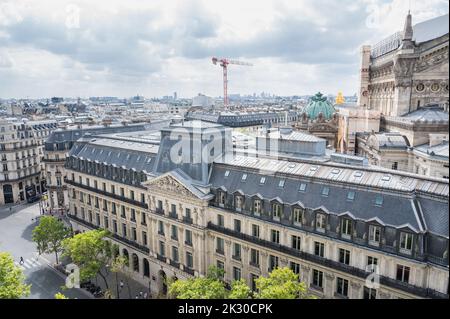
column 302, row 187
column 325, row 191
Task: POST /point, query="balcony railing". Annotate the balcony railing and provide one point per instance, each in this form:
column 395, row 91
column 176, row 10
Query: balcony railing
column 161, row 258
column 189, row 270
column 101, row 192
column 419, row 291
column 174, row 264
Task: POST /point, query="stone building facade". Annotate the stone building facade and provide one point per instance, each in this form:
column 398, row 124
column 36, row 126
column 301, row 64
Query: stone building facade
column 333, row 224
column 407, row 70
column 21, row 151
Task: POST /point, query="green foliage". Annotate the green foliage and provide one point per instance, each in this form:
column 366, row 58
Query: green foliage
column 282, row 283
column 59, row 295
column 239, row 290
column 198, row 288
column 90, row 251
column 12, row 279
column 49, row 235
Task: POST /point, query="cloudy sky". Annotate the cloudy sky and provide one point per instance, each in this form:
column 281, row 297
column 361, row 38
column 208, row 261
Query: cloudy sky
column 156, row 47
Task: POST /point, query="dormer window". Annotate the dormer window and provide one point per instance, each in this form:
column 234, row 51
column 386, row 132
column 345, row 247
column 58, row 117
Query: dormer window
column 298, row 216
column 257, row 204
column 221, row 198
column 346, row 228
column 227, row 173
column 320, row 223
column 276, row 211
column 281, row 183
column 238, row 202
column 262, row 180
column 244, row 177
column 325, row 191
column 379, row 200
column 406, row 243
column 374, row 235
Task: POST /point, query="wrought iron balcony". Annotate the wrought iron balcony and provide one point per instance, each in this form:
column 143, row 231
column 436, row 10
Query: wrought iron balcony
column 390, row 282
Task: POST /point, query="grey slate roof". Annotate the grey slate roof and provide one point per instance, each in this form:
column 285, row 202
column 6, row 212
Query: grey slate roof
column 431, row 29
column 440, row 151
column 436, row 215
column 396, row 211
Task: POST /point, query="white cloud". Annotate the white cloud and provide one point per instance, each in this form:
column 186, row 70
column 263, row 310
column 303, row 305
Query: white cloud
column 115, row 47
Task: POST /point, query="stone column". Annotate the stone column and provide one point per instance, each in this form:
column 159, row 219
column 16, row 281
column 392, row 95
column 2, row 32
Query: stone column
column 329, row 285
column 356, row 290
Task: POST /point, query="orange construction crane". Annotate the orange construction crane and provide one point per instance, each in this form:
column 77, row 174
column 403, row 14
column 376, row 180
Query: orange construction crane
column 223, row 62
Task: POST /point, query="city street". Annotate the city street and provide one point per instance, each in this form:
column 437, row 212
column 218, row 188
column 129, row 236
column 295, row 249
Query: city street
column 16, row 227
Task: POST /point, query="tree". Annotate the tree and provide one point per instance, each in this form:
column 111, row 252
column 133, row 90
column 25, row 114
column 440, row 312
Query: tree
column 282, row 283
column 12, row 285
column 59, row 295
column 91, row 252
column 240, row 290
column 49, row 235
column 209, row 287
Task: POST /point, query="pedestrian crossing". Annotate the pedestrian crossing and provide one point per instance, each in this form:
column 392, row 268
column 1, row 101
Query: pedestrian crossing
column 28, row 263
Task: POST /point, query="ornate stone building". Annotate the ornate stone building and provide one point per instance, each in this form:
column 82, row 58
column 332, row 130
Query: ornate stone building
column 173, row 214
column 407, row 70
column 319, row 118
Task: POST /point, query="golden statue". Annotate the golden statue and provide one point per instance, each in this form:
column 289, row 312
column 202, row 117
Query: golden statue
column 340, row 98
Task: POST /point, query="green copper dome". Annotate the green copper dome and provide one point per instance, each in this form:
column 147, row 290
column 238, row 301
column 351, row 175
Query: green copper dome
column 319, row 104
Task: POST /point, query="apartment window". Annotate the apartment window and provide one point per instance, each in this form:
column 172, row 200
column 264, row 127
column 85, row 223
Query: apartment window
column 95, row 185
column 296, row 242
column 220, row 265
column 236, row 273
column 257, row 206
column 96, row 202
column 188, row 237
column 372, row 263
column 132, row 194
column 123, row 213
column 132, row 215
column 113, row 208
column 174, row 232
column 254, row 257
column 325, row 191
column 342, row 287
column 160, row 204
column 173, row 209
column 262, row 180
column 97, row 219
column 255, row 230
column 143, row 218
column 189, row 260
column 237, row 225
column 175, row 254
column 238, row 202
column 275, row 236
column 295, row 268
column 370, row 293
column 317, row 278
column 374, row 235
column 162, row 248
column 115, row 227
column 236, row 251
column 344, row 256
column 320, row 222
column 403, row 273
column 253, row 278
column 113, row 189
column 273, row 262
column 220, row 220
column 104, row 187
column 124, row 230
column 122, row 192
column 160, row 227
column 222, row 199
column 395, row 166
column 90, row 217
column 188, row 213
column 406, row 241
column 319, row 249
column 297, row 216
column 276, row 210
column 346, row 228
column 144, row 238
column 219, row 245
column 143, row 198
column 133, row 234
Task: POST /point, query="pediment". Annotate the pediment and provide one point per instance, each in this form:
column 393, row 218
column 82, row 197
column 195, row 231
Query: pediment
column 168, row 183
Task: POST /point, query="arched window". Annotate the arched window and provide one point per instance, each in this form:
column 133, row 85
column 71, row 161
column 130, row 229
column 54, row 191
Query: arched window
column 135, row 262
column 126, row 255
column 146, row 267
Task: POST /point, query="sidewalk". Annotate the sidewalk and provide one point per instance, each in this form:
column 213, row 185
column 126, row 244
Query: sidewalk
column 130, row 290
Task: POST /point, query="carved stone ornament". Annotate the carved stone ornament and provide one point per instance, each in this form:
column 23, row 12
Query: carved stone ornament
column 170, row 184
